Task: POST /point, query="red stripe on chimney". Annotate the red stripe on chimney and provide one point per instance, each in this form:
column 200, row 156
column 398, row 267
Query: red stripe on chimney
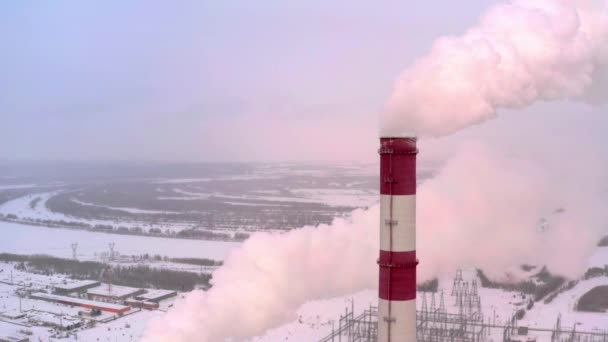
column 398, row 269
column 397, row 166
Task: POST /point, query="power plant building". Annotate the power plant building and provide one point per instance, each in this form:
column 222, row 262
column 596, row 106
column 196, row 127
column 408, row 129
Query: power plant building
column 113, row 293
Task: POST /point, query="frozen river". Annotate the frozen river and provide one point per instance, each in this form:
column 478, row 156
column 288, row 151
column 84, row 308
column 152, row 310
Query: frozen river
column 25, row 239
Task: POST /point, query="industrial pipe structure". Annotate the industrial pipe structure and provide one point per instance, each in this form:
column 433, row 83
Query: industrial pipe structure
column 397, row 261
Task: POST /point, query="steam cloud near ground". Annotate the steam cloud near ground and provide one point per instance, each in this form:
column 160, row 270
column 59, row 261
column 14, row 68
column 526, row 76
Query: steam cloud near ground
column 521, row 52
column 481, row 209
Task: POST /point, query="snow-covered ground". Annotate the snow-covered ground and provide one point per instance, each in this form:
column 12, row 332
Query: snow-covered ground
column 314, row 319
column 545, row 315
column 26, row 239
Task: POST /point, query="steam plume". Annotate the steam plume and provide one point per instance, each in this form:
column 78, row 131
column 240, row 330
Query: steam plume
column 263, row 283
column 496, row 213
column 520, row 52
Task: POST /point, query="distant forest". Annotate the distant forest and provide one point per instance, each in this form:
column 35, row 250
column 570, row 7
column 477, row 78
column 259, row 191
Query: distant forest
column 133, row 276
column 596, row 300
column 546, row 287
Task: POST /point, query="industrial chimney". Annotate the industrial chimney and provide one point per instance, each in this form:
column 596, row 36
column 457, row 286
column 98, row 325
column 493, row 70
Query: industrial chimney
column 397, row 287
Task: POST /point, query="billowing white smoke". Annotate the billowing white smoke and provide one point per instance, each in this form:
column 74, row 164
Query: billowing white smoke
column 521, row 52
column 265, row 281
column 481, row 209
column 496, row 213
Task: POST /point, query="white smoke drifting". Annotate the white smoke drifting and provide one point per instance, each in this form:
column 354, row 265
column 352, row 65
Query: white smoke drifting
column 496, row 213
column 264, row 282
column 481, row 209
column 521, row 52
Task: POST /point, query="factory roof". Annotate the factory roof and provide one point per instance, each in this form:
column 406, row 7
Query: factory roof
column 13, row 314
column 114, row 291
column 76, row 285
column 156, row 294
column 63, row 321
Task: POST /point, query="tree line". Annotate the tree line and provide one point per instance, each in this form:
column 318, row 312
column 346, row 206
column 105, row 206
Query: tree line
column 134, row 276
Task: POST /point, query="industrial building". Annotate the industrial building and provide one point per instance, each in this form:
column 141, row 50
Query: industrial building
column 89, row 304
column 140, row 304
column 75, row 287
column 112, row 293
column 61, row 322
column 13, row 314
column 156, row 296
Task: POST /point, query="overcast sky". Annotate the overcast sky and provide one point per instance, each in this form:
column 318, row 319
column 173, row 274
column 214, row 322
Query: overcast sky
column 225, row 80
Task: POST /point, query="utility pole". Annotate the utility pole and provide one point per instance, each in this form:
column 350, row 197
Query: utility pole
column 74, row 246
column 111, row 244
column 20, row 295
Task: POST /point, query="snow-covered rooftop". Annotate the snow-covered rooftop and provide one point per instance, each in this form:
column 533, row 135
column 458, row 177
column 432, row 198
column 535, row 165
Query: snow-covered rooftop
column 76, row 285
column 155, row 294
column 113, row 291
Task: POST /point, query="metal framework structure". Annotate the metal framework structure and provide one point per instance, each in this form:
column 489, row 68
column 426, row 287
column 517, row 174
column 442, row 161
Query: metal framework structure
column 466, row 322
column 440, row 326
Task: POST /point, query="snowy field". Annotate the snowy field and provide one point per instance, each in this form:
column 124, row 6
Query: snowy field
column 25, row 239
column 314, row 319
column 545, row 315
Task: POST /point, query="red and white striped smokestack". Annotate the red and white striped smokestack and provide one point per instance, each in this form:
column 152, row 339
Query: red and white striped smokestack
column 397, row 287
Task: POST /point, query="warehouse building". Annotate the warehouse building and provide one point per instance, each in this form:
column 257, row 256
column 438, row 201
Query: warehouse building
column 113, row 293
column 75, row 287
column 156, row 296
column 140, row 304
